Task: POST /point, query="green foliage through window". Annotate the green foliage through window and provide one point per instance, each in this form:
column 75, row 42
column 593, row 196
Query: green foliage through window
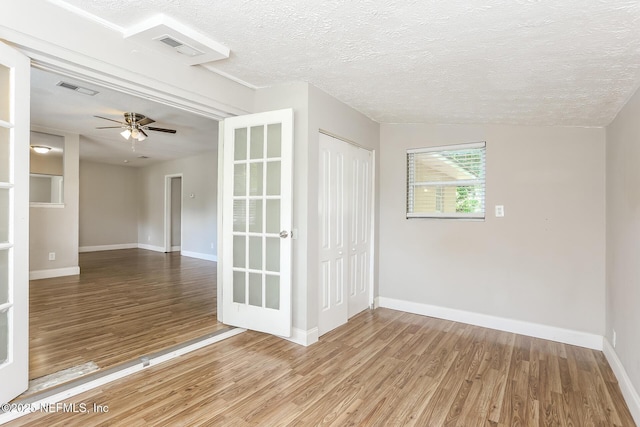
column 446, row 182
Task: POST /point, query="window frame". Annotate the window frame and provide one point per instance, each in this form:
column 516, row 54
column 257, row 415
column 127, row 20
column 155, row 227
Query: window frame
column 411, row 186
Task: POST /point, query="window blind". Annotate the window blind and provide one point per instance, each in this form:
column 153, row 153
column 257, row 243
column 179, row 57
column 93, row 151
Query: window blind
column 446, row 181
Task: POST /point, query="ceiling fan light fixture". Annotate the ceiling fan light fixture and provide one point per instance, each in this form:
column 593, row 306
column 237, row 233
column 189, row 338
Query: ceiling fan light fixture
column 41, row 149
column 126, row 134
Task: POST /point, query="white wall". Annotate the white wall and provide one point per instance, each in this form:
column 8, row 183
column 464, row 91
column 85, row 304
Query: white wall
column 543, row 263
column 108, row 205
column 55, row 229
column 199, row 213
column 623, row 243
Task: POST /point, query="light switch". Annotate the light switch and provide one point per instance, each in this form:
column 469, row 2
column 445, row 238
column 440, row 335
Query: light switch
column 499, row 211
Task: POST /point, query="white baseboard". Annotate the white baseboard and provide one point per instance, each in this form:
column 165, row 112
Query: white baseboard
column 302, row 337
column 199, row 255
column 107, row 247
column 190, row 254
column 53, row 272
column 151, row 247
column 552, row 333
column 628, row 390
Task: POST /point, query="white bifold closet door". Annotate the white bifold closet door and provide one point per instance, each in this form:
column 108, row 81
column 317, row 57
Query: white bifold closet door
column 345, row 215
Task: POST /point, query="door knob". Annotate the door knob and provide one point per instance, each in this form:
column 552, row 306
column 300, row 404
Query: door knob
column 284, row 234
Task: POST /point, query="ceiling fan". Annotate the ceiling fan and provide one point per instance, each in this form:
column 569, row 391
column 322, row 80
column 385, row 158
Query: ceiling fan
column 134, row 126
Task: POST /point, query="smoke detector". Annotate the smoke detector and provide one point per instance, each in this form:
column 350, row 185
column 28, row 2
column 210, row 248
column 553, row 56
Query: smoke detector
column 170, row 37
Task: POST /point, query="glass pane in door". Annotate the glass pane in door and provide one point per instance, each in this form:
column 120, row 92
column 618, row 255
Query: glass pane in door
column 5, row 142
column 274, row 140
column 255, row 216
column 239, row 252
column 273, row 254
column 4, row 276
column 255, row 289
column 240, row 180
column 4, row 215
column 5, row 93
column 240, row 147
column 239, row 215
column 4, row 336
column 272, row 292
column 273, row 178
column 273, row 216
column 255, row 253
column 257, row 142
column 239, row 287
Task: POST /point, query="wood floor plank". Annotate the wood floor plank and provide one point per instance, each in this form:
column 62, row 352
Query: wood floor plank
column 125, row 304
column 357, row 375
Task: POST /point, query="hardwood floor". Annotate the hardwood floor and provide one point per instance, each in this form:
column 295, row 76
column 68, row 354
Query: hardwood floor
column 384, row 368
column 125, row 304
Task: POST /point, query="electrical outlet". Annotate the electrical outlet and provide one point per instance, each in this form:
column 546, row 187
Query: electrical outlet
column 614, row 338
column 52, row 256
column 148, row 238
column 212, row 246
column 499, row 211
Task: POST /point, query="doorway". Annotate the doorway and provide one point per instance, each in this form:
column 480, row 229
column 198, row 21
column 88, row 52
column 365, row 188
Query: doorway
column 173, row 213
column 131, row 277
column 345, row 218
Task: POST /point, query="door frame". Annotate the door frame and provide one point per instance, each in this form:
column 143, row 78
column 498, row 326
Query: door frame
column 49, row 57
column 168, row 213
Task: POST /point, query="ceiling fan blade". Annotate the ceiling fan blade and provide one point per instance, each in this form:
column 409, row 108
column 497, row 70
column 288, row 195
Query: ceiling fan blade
column 111, row 120
column 143, row 132
column 146, row 121
column 110, row 127
column 160, row 129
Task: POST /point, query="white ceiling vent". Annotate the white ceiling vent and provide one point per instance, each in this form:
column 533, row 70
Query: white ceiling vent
column 76, row 88
column 180, row 47
column 168, row 36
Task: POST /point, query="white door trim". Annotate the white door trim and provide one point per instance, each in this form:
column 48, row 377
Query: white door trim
column 372, row 232
column 167, row 209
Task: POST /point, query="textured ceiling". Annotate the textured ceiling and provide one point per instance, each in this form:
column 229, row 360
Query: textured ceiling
column 544, row 62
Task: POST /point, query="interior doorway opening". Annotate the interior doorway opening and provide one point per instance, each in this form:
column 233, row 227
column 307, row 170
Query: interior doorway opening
column 123, row 276
column 173, row 213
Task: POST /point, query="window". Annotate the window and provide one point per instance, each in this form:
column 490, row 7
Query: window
column 446, row 182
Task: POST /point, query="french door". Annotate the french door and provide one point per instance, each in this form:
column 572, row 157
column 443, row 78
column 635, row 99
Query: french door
column 14, row 222
column 256, row 221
